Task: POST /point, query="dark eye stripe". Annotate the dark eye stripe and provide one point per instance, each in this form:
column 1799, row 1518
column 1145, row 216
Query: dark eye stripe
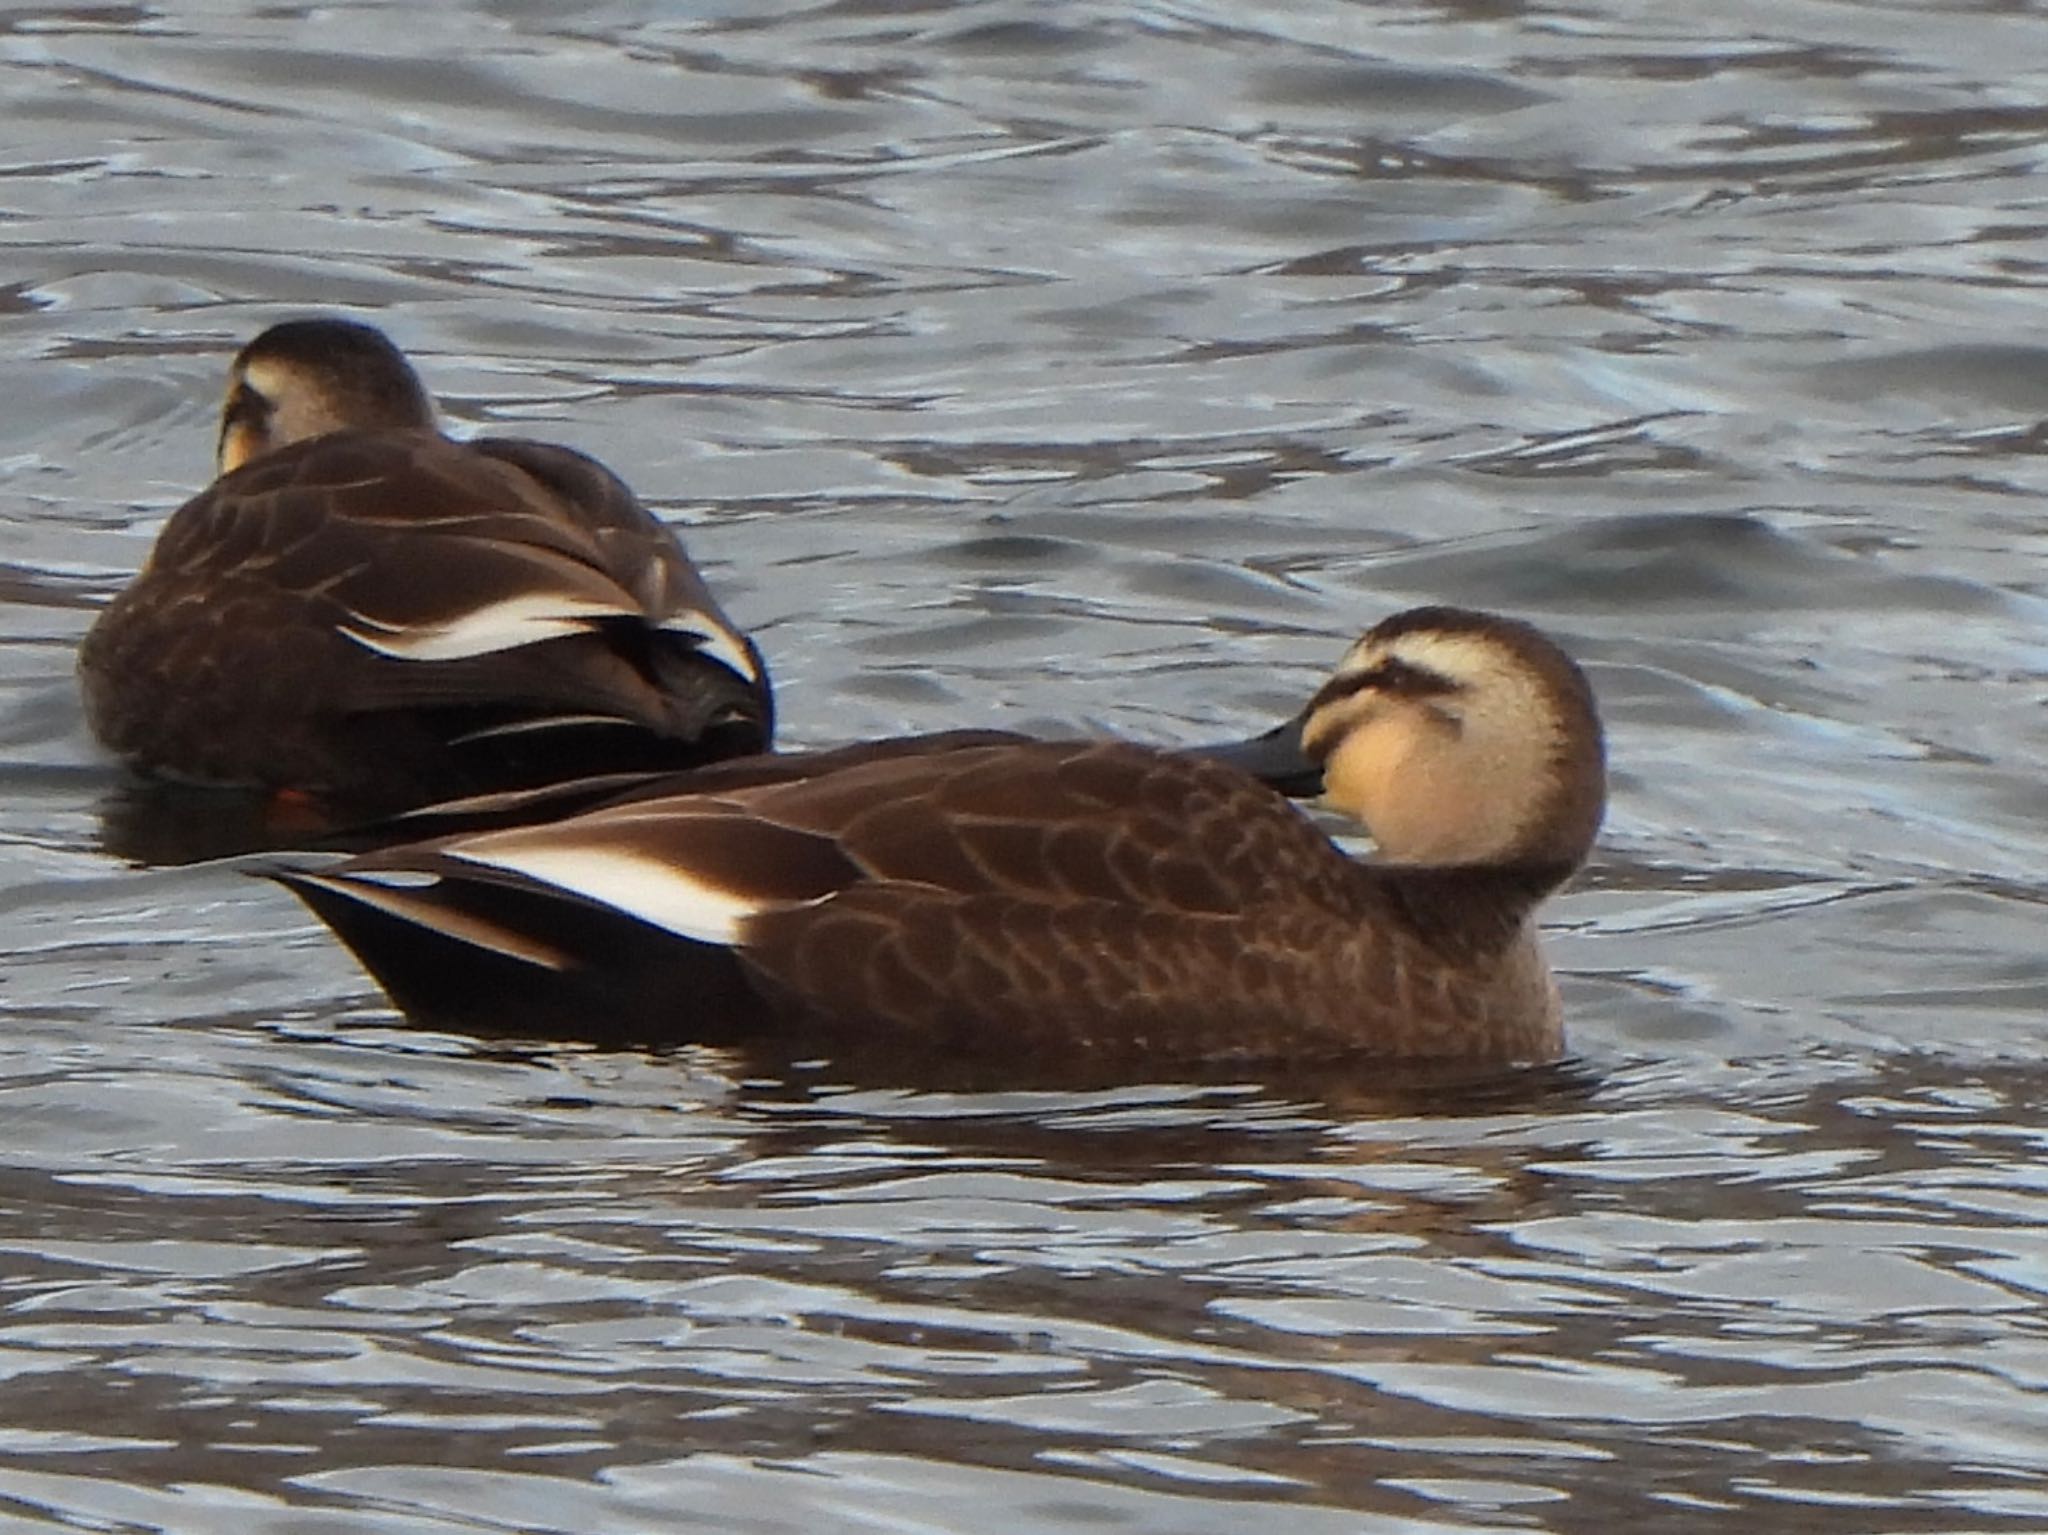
column 1393, row 676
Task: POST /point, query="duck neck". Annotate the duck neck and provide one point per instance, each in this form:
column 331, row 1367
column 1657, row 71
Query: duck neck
column 1469, row 909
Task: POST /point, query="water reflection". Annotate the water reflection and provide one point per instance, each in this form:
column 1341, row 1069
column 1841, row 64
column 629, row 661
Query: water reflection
column 1164, row 1290
column 169, row 824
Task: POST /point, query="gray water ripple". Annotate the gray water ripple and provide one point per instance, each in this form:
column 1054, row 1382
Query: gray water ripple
column 1099, row 370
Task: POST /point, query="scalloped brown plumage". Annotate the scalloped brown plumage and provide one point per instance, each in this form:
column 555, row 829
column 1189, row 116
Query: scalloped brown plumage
column 366, row 611
column 1097, row 906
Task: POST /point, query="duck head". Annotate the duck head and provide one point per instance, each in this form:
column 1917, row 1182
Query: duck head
column 306, row 378
column 1454, row 737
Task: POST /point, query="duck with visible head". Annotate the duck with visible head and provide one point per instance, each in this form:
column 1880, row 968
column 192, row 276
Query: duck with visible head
column 366, row 612
column 1083, row 905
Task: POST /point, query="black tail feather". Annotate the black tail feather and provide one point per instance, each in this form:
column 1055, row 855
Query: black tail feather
column 501, row 959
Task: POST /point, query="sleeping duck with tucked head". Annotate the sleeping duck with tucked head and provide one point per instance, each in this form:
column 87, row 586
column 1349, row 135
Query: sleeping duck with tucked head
column 1093, row 905
column 363, row 611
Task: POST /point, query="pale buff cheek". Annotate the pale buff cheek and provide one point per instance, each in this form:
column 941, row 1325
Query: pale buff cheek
column 239, row 444
column 1419, row 799
column 1347, row 789
column 1418, row 811
column 1362, row 777
column 1439, row 815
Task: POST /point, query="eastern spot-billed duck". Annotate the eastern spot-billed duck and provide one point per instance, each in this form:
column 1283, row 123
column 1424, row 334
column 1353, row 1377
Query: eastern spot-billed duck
column 366, row 612
column 1095, row 904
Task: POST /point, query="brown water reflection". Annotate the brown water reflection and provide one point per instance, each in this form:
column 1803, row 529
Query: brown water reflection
column 1105, row 369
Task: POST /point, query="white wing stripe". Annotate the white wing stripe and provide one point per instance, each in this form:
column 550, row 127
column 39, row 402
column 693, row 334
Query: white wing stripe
column 528, row 619
column 716, row 641
column 506, row 625
column 544, row 723
column 393, row 892
column 654, row 892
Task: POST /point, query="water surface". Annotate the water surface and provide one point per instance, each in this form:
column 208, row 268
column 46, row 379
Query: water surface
column 1094, row 367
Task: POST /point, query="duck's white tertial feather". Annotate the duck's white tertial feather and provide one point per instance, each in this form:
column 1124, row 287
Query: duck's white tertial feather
column 719, row 643
column 526, row 619
column 710, row 901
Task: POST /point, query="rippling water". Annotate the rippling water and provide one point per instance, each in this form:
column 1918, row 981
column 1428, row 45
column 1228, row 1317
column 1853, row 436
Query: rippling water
column 1104, row 367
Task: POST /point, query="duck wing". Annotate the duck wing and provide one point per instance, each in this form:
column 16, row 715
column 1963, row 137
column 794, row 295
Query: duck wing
column 969, row 812
column 396, row 617
column 553, row 802
column 1047, row 887
column 636, row 550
